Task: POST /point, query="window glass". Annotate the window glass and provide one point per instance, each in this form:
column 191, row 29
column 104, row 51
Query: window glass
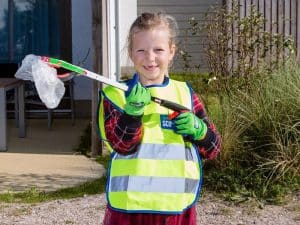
column 29, row 27
column 3, row 30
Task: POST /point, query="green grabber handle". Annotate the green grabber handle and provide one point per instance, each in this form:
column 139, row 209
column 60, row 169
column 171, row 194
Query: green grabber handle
column 60, row 63
column 64, row 64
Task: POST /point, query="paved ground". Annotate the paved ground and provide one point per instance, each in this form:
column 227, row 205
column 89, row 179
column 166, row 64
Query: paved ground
column 48, row 172
column 45, row 158
column 60, row 139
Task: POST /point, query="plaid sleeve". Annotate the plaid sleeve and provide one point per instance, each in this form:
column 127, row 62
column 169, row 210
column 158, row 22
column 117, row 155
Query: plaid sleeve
column 210, row 146
column 123, row 131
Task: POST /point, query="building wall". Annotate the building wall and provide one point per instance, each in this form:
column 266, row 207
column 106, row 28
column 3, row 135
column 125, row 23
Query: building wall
column 128, row 13
column 182, row 11
column 82, row 45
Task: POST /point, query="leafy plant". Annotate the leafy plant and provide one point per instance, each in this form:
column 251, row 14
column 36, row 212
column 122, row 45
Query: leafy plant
column 238, row 47
column 261, row 137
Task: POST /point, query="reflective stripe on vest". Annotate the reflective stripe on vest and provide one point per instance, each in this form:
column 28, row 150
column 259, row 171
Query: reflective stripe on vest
column 144, row 184
column 164, row 175
column 151, row 151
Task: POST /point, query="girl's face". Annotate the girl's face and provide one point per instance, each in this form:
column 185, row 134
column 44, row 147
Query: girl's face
column 151, row 54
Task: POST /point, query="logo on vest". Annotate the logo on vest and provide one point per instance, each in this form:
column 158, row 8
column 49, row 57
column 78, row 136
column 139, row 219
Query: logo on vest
column 166, row 123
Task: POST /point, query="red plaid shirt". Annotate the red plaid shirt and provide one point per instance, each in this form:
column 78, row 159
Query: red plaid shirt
column 124, row 134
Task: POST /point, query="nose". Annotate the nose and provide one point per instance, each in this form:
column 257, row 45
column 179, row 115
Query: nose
column 151, row 55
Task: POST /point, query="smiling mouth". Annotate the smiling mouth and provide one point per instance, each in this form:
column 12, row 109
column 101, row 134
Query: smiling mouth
column 150, row 68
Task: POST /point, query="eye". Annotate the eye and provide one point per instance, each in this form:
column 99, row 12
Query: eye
column 159, row 49
column 140, row 50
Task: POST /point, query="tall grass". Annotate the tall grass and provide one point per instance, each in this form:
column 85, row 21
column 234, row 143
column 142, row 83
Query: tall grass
column 260, row 132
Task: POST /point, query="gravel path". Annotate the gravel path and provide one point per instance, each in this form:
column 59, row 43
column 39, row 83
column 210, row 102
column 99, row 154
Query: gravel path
column 90, row 210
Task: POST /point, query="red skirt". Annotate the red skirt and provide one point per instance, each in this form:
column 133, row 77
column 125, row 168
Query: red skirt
column 112, row 217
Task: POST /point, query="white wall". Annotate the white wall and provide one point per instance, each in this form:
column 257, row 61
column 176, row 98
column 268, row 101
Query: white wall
column 82, row 39
column 81, row 44
column 128, row 13
column 121, row 14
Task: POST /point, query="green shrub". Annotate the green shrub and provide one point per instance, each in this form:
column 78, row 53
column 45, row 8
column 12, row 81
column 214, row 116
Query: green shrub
column 260, row 129
column 260, row 132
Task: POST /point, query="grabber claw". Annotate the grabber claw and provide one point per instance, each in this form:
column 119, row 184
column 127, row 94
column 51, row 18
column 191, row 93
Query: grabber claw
column 177, row 113
column 63, row 76
column 173, row 115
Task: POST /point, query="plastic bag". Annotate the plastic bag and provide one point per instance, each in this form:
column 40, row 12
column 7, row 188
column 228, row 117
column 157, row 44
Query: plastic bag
column 25, row 71
column 50, row 89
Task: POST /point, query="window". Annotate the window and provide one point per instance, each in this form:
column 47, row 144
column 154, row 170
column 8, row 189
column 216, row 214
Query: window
column 40, row 27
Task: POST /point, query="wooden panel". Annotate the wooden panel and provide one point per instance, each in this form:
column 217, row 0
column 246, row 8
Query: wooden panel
column 185, row 25
column 287, row 20
column 281, row 16
column 255, row 3
column 274, row 17
column 235, row 41
column 194, row 48
column 274, row 24
column 173, row 2
column 294, row 18
column 268, row 11
column 261, row 7
column 230, row 43
column 185, row 17
column 184, row 10
column 248, row 7
column 96, row 145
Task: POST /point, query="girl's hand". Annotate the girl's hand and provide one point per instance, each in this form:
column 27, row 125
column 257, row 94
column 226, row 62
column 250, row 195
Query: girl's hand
column 189, row 124
column 137, row 99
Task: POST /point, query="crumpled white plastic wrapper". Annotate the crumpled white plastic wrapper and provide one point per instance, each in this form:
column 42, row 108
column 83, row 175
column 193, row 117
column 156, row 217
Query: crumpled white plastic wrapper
column 25, row 71
column 50, row 88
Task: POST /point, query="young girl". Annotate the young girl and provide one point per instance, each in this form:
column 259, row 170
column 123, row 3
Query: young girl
column 155, row 171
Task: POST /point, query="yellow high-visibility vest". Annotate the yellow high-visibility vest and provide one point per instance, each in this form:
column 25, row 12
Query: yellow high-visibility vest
column 164, row 175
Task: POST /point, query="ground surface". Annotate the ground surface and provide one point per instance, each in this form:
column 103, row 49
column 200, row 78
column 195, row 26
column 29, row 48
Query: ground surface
column 90, row 210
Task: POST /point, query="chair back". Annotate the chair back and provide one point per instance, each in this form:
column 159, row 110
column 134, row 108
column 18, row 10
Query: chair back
column 8, row 70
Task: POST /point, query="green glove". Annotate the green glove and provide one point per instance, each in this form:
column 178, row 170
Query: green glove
column 189, row 124
column 137, row 99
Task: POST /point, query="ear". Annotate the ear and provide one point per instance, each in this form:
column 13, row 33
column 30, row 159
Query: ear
column 172, row 52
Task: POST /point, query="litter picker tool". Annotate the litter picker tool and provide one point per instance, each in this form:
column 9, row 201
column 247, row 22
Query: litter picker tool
column 42, row 71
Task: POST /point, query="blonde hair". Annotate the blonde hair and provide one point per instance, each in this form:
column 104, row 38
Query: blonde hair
column 147, row 21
